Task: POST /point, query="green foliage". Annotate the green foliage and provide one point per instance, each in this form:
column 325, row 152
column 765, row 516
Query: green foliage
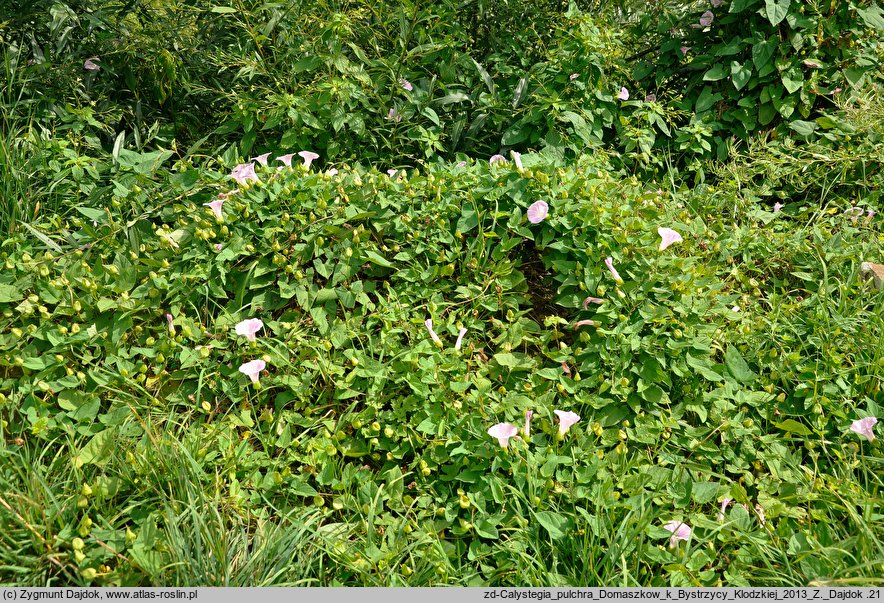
column 361, row 427
column 752, row 65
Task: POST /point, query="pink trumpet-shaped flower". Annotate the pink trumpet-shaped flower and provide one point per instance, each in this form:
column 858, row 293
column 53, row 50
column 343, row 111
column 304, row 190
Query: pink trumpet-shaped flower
column 573, row 76
column 650, row 98
column 391, row 172
column 669, row 237
column 286, row 159
column 308, row 157
column 461, row 164
column 623, row 94
column 218, row 247
column 517, row 159
column 503, row 432
column 528, row 415
column 870, row 215
column 332, row 172
column 459, row 341
column 406, row 84
column 249, row 327
column 244, row 172
column 592, row 300
column 495, row 158
column 724, row 505
column 253, row 369
column 864, row 427
column 777, row 207
column 706, row 18
column 565, row 369
column 609, row 262
column 854, row 212
column 566, row 420
column 537, row 212
column 215, row 206
column 684, row 50
column 429, row 324
column 716, row 3
column 585, row 323
column 262, row 159
column 91, row 65
column 169, row 322
column 680, row 531
column 394, row 115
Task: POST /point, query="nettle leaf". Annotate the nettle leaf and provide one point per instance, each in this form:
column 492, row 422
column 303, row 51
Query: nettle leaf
column 776, row 10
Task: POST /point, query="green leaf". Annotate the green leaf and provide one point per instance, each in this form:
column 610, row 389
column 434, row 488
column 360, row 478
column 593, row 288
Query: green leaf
column 9, row 294
column 762, row 53
column 706, row 100
column 793, row 79
column 100, row 448
column 489, row 83
column 223, row 10
column 718, row 72
column 737, row 366
column 793, row 426
column 873, row 17
column 740, row 74
column 376, row 258
column 486, row 529
column 454, row 97
column 704, row 492
column 516, row 361
column 557, row 525
column 803, row 128
column 776, row 10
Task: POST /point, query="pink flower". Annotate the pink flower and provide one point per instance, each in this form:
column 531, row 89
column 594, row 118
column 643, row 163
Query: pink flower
column 855, row 213
column 332, row 172
column 584, row 323
column 253, row 369
column 391, row 173
column 624, row 94
column 836, row 90
column 609, row 262
column 724, row 506
column 650, row 98
column 528, row 415
column 495, row 158
column 517, row 159
column 218, row 247
column 864, row 427
column 262, row 159
column 406, row 84
column 592, row 300
column 565, row 369
column 870, row 215
column 215, row 206
column 503, row 432
column 537, row 212
column 680, row 531
column 706, row 18
column 429, row 324
column 286, row 159
column 171, row 326
column 308, row 157
column 715, row 3
column 777, row 207
column 393, row 115
column 684, row 50
column 249, row 327
column 459, row 341
column 244, row 172
column 566, row 420
column 573, row 76
column 90, row 65
column 669, row 237
column 461, row 164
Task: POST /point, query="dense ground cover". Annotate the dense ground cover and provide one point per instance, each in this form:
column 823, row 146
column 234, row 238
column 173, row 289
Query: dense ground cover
column 725, row 378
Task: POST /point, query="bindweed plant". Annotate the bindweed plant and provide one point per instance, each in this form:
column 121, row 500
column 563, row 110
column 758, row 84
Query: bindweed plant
column 442, row 375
